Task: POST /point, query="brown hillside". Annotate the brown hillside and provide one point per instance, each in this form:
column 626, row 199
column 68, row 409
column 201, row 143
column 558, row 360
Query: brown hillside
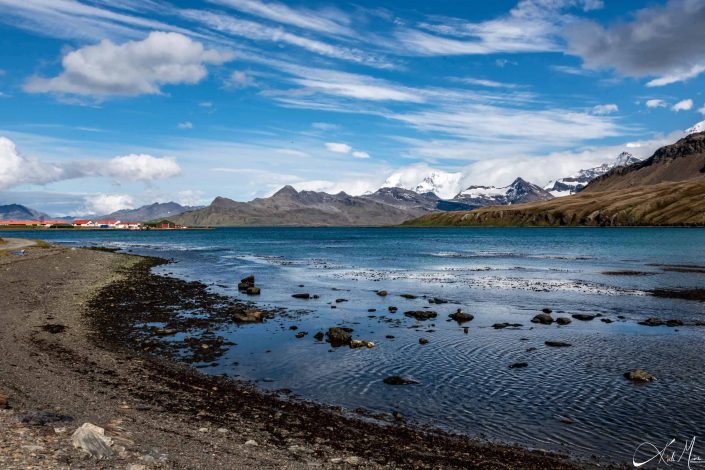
column 677, row 162
column 677, row 204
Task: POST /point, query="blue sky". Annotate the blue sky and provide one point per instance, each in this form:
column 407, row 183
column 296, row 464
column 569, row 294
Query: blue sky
column 112, row 104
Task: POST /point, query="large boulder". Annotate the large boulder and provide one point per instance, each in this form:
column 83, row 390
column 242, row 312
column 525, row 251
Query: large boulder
column 421, row 314
column 339, row 336
column 461, row 317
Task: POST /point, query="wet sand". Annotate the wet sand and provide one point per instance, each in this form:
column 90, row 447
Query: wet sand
column 64, row 349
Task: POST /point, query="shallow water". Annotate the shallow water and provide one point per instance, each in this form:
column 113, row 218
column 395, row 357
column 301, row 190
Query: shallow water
column 498, row 275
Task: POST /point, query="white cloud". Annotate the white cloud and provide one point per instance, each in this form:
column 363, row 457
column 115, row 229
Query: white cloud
column 684, row 105
column 702, row 110
column 324, row 126
column 141, row 168
column 103, row 204
column 132, row 68
column 254, row 31
column 656, row 103
column 486, row 83
column 531, row 26
column 185, row 125
column 335, row 23
column 602, row 109
column 206, row 104
column 681, row 76
column 360, row 154
column 17, row 169
column 338, row 147
column 240, row 79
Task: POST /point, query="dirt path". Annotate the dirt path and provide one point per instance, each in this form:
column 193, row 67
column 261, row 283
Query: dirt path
column 163, row 415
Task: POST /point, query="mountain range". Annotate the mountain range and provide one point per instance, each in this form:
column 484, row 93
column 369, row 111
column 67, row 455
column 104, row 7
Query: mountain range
column 666, row 189
column 156, row 211
column 575, row 183
column 19, row 212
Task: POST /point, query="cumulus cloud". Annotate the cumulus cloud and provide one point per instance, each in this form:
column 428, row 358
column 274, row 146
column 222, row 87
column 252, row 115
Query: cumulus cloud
column 338, row 147
column 684, row 105
column 661, row 41
column 702, row 110
column 131, row 68
column 103, row 204
column 17, row 169
column 185, row 125
column 602, row 109
column 655, row 103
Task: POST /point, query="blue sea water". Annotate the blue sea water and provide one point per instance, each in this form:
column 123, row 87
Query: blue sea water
column 572, row 399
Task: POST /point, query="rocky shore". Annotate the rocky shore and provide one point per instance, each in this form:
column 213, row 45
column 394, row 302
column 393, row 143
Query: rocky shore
column 78, row 361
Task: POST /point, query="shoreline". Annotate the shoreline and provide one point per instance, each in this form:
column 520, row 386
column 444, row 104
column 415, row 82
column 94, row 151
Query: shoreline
column 167, row 404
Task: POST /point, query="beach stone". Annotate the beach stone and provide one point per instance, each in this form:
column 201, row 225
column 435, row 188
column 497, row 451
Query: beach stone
column 421, row 314
column 301, row 296
column 557, row 344
column 399, row 380
column 543, row 318
column 652, row 321
column 318, row 336
column 423, row 341
column 339, row 336
column 461, row 317
column 42, row 418
column 382, row 293
column 563, row 320
column 92, row 440
column 251, row 442
column 583, row 316
column 352, row 460
column 253, row 291
column 639, row 375
column 249, row 316
column 361, row 343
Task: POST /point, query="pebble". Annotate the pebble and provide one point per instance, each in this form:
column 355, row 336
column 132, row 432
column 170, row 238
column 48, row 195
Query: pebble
column 251, row 442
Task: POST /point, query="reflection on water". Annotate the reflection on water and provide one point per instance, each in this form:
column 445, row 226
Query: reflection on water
column 571, row 399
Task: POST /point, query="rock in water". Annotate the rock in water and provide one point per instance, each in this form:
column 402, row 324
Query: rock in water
column 638, row 375
column 460, row 316
column 652, row 321
column 408, row 296
column 557, row 344
column 253, row 291
column 543, row 318
column 339, row 336
column 421, row 314
column 301, row 296
column 361, row 343
column 382, row 293
column 398, row 380
column 547, row 310
column 318, row 336
column 583, row 316
column 92, row 440
column 563, row 321
column 518, row 365
column 423, row 341
column 249, row 316
column 392, row 309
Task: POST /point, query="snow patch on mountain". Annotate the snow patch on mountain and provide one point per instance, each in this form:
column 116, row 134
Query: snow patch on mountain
column 574, row 183
column 699, row 127
column 423, row 179
column 518, row 192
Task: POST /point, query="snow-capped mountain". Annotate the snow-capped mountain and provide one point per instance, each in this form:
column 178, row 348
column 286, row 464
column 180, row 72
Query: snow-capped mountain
column 699, row 127
column 422, row 179
column 518, row 192
column 574, row 183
